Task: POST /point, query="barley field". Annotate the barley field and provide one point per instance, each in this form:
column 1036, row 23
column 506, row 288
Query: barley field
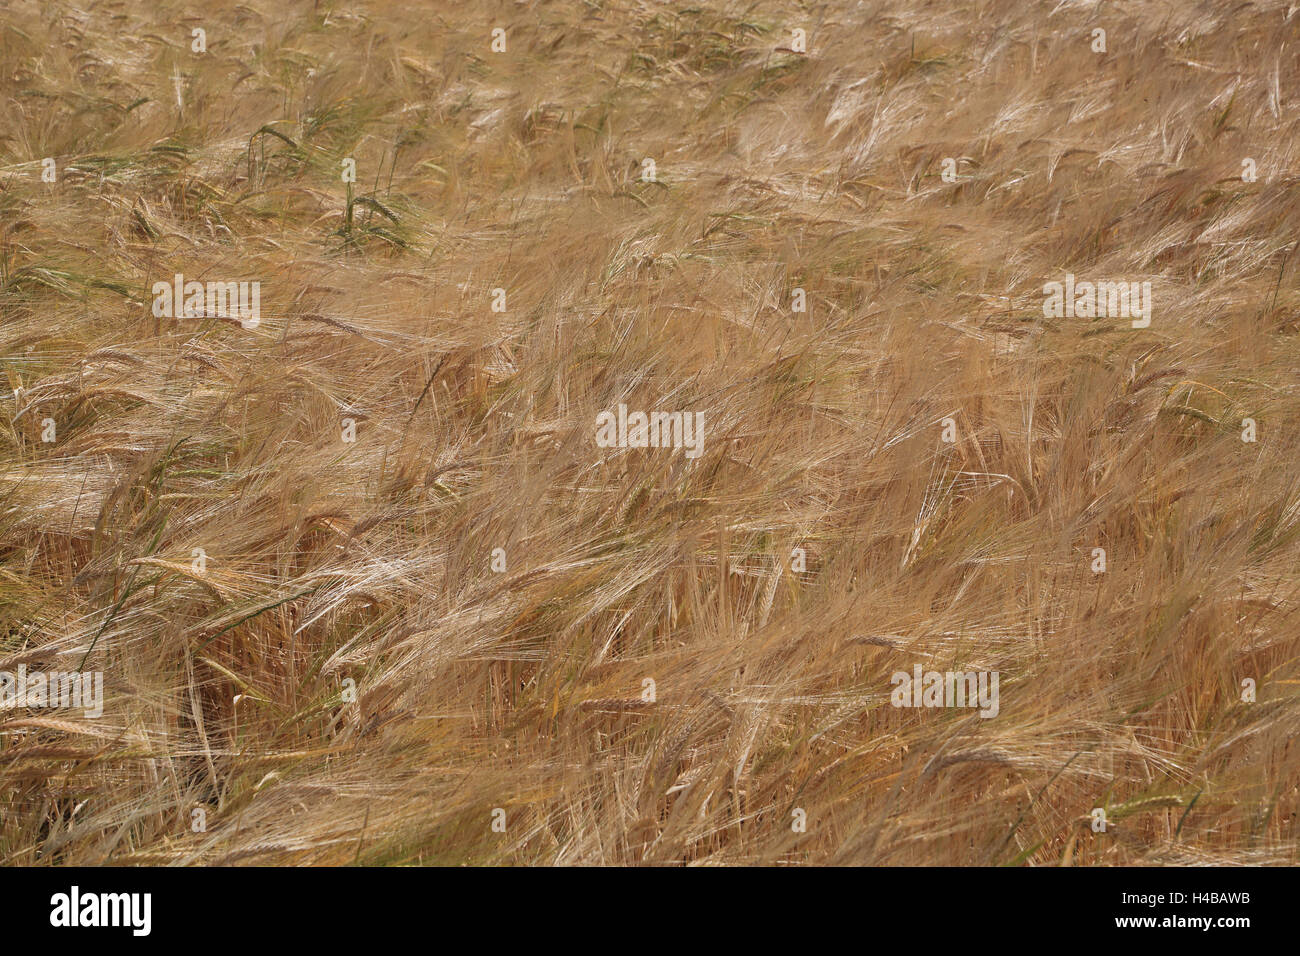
column 379, row 563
